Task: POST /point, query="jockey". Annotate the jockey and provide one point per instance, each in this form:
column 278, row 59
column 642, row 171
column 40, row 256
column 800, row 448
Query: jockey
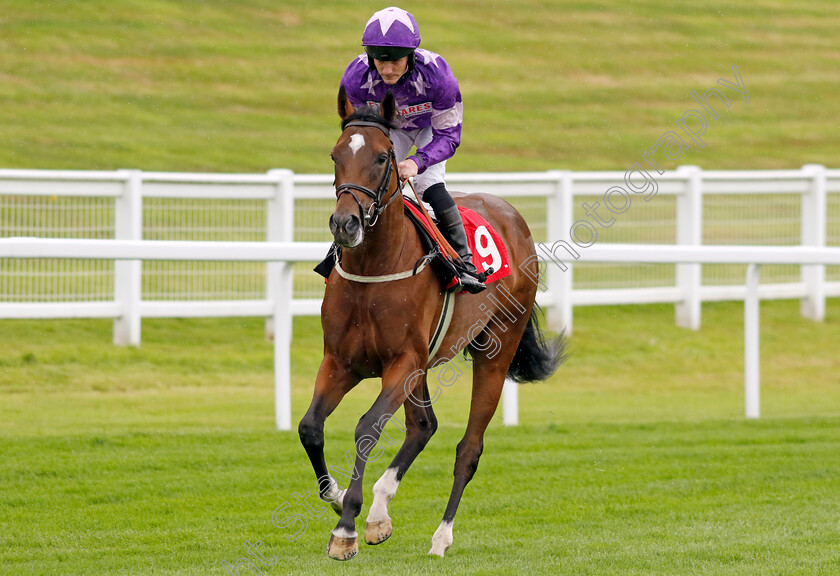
column 429, row 119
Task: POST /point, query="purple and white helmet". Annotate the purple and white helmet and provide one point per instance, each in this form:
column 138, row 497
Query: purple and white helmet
column 391, row 34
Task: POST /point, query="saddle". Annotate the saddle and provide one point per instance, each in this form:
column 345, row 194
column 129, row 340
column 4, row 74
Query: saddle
column 489, row 251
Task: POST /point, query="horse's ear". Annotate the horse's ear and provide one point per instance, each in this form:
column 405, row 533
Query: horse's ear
column 389, row 107
column 345, row 108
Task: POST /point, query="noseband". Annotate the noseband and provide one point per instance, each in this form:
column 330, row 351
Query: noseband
column 370, row 217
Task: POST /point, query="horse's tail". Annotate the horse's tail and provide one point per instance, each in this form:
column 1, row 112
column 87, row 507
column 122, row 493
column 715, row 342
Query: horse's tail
column 536, row 358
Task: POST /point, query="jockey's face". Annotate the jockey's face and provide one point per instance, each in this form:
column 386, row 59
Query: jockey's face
column 391, row 71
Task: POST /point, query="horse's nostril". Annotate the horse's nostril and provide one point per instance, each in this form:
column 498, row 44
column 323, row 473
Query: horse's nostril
column 352, row 226
column 333, row 225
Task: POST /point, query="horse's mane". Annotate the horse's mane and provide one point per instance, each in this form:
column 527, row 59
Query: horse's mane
column 367, row 114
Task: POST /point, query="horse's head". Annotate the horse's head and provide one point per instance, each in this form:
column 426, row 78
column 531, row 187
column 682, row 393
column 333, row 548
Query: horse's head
column 366, row 178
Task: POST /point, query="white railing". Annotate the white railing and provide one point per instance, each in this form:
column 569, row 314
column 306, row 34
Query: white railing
column 285, row 253
column 129, row 251
column 754, row 257
column 280, row 206
column 131, row 191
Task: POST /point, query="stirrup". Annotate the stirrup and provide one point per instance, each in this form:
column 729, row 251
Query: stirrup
column 470, row 278
column 471, row 270
column 471, row 284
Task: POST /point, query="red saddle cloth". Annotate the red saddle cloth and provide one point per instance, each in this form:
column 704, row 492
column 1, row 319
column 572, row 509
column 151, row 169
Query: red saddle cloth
column 488, row 248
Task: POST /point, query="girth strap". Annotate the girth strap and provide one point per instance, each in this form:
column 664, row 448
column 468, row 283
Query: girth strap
column 443, row 323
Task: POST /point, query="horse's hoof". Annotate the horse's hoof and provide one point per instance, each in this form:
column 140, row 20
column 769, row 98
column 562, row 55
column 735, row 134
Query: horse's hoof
column 342, row 548
column 378, row 532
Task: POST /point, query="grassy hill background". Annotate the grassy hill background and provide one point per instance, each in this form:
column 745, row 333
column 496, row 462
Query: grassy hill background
column 249, row 85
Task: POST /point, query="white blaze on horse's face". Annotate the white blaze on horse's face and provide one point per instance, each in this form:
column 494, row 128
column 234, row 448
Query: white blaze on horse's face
column 357, row 142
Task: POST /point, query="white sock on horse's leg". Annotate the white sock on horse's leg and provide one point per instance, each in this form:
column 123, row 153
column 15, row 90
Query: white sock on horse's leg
column 442, row 540
column 383, row 492
column 334, row 496
column 344, row 533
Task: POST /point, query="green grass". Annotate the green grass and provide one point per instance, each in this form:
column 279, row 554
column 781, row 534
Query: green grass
column 250, row 85
column 634, row 459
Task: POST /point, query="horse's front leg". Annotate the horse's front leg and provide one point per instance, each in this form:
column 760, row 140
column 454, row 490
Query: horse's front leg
column 420, row 425
column 331, row 385
column 343, row 543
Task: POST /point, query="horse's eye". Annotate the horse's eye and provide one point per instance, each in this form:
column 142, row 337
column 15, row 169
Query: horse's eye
column 382, row 159
column 332, row 157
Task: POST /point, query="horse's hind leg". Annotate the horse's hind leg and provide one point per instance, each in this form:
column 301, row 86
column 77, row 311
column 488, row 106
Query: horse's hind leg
column 488, row 379
column 420, row 426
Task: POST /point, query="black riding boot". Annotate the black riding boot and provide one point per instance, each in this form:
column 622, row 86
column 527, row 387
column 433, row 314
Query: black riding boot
column 452, row 228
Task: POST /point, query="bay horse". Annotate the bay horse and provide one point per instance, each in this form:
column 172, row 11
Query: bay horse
column 379, row 313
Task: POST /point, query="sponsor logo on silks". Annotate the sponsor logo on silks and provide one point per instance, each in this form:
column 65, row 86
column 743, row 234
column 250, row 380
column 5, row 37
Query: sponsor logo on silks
column 409, row 111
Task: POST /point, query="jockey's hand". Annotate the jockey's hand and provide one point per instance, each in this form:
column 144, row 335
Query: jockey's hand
column 408, row 169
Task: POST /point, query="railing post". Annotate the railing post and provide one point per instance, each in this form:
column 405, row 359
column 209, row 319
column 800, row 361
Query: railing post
column 280, row 218
column 752, row 359
column 560, row 215
column 814, row 234
column 510, row 404
column 282, row 297
column 689, row 233
column 279, row 289
column 128, row 225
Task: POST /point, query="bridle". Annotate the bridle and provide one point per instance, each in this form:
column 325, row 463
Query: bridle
column 370, row 217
